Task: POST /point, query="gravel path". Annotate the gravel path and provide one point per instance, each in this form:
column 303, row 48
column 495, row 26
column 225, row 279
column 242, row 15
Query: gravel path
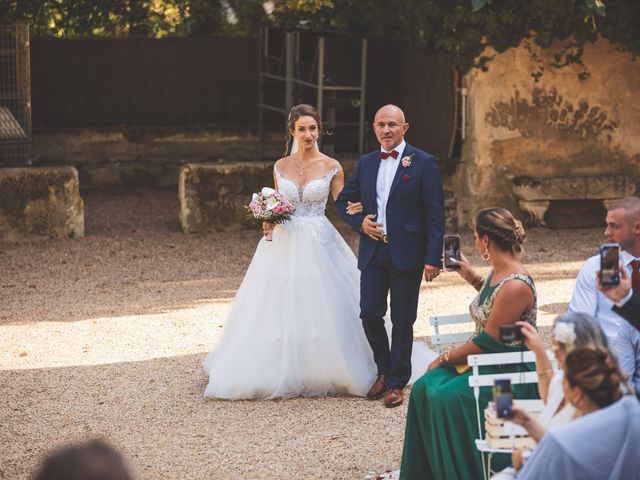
column 103, row 336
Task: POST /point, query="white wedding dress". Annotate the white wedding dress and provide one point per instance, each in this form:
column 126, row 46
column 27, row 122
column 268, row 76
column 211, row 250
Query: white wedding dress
column 294, row 328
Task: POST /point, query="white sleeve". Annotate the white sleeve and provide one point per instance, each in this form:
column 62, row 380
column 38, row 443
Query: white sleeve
column 585, row 294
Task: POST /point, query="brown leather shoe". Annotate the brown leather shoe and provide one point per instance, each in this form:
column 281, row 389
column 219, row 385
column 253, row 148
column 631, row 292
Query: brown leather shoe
column 394, row 398
column 378, row 389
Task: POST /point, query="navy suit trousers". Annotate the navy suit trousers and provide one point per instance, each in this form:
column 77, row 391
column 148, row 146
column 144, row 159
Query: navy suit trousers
column 376, row 280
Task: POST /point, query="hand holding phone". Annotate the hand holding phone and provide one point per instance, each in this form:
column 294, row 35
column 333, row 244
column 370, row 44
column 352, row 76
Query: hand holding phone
column 451, row 250
column 616, row 292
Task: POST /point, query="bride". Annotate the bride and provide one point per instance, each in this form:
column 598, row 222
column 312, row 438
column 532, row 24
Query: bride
column 294, row 328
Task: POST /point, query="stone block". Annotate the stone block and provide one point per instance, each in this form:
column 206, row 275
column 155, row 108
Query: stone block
column 213, row 196
column 40, row 202
column 536, row 194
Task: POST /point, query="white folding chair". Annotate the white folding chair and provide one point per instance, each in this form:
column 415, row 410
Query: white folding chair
column 477, row 380
column 439, row 339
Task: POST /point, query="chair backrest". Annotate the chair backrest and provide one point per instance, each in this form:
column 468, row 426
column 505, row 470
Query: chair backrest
column 439, row 339
column 477, row 380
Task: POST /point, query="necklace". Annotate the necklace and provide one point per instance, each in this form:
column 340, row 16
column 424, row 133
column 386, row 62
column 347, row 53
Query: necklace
column 302, row 167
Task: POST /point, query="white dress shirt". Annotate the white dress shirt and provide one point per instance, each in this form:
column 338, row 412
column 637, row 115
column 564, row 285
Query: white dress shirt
column 627, row 349
column 386, row 172
column 587, row 298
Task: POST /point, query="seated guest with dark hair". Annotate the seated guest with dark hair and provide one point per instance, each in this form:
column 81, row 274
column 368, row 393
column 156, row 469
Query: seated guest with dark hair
column 94, row 460
column 441, row 421
column 603, row 441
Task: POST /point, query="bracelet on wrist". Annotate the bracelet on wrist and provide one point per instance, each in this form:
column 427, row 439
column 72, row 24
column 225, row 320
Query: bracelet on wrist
column 477, row 282
column 445, row 358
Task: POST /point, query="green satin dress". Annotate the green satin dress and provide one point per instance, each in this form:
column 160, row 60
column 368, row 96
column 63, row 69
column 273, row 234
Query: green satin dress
column 441, row 421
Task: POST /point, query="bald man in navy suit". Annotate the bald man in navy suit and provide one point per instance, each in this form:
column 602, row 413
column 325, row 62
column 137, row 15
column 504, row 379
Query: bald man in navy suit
column 401, row 229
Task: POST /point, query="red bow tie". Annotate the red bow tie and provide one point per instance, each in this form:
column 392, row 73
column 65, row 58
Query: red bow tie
column 385, row 155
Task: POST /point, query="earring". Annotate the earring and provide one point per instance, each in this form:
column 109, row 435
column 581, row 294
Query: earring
column 486, row 255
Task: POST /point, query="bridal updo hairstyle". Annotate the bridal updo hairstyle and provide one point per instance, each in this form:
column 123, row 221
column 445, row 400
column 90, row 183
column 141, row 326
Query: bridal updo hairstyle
column 502, row 228
column 595, row 371
column 302, row 110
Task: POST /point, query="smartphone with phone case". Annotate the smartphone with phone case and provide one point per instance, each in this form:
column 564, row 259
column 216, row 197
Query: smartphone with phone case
column 609, row 264
column 451, row 249
column 503, row 397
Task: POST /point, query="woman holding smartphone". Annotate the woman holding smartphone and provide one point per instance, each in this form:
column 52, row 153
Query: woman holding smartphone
column 441, row 420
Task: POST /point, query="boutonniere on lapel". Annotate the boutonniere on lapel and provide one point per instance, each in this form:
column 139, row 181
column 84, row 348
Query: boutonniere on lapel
column 406, row 161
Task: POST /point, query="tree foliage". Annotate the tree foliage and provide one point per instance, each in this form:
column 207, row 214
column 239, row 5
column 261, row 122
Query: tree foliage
column 462, row 27
column 465, row 27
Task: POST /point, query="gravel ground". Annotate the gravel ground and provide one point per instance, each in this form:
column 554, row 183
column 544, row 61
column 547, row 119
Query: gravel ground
column 103, row 336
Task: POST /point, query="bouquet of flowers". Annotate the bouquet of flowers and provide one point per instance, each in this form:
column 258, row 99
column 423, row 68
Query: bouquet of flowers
column 270, row 206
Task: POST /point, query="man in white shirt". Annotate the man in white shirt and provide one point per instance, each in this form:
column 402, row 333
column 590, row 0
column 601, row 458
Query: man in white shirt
column 623, row 228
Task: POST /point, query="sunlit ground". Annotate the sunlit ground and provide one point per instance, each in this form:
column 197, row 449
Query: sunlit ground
column 105, row 335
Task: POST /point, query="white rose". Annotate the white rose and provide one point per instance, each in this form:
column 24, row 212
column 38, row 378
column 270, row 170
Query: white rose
column 565, row 333
column 272, row 203
column 266, row 191
column 254, row 197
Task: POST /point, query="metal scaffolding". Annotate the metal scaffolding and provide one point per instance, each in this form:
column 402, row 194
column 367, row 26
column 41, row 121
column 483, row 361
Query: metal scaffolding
column 15, row 95
column 294, row 68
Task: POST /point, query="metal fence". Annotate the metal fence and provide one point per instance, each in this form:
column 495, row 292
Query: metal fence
column 15, row 96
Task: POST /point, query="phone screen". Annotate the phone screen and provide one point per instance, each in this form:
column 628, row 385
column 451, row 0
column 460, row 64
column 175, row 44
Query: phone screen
column 501, row 386
column 451, row 249
column 504, row 402
column 503, row 397
column 609, row 259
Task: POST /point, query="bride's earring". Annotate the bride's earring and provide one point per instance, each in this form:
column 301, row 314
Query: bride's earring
column 486, row 255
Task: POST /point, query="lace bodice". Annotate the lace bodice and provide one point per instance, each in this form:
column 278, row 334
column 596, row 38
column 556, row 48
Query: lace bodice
column 480, row 311
column 310, row 199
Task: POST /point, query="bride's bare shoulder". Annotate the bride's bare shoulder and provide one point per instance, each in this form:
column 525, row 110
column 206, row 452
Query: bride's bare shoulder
column 331, row 163
column 282, row 163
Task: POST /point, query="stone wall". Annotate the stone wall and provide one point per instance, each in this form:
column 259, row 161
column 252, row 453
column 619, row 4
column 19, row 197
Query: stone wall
column 145, row 156
column 213, row 196
column 40, row 202
column 560, row 126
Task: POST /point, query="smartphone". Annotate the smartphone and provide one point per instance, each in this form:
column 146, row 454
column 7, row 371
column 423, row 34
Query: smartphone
column 504, row 404
column 503, row 397
column 501, row 386
column 511, row 334
column 450, row 249
column 609, row 262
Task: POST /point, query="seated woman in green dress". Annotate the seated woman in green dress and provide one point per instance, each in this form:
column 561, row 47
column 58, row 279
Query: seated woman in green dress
column 441, row 420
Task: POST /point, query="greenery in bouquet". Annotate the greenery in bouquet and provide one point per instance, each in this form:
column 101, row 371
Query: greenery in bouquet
column 270, row 206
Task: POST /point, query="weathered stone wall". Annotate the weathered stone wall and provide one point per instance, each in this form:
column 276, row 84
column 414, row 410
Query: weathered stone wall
column 40, row 202
column 560, row 126
column 213, row 196
column 141, row 156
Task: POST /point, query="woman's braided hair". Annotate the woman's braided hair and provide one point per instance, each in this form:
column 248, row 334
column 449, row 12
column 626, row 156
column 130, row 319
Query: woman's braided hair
column 596, row 372
column 502, row 228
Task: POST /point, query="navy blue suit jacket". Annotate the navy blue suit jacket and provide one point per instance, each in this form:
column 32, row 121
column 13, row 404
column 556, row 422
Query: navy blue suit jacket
column 415, row 209
column 630, row 311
